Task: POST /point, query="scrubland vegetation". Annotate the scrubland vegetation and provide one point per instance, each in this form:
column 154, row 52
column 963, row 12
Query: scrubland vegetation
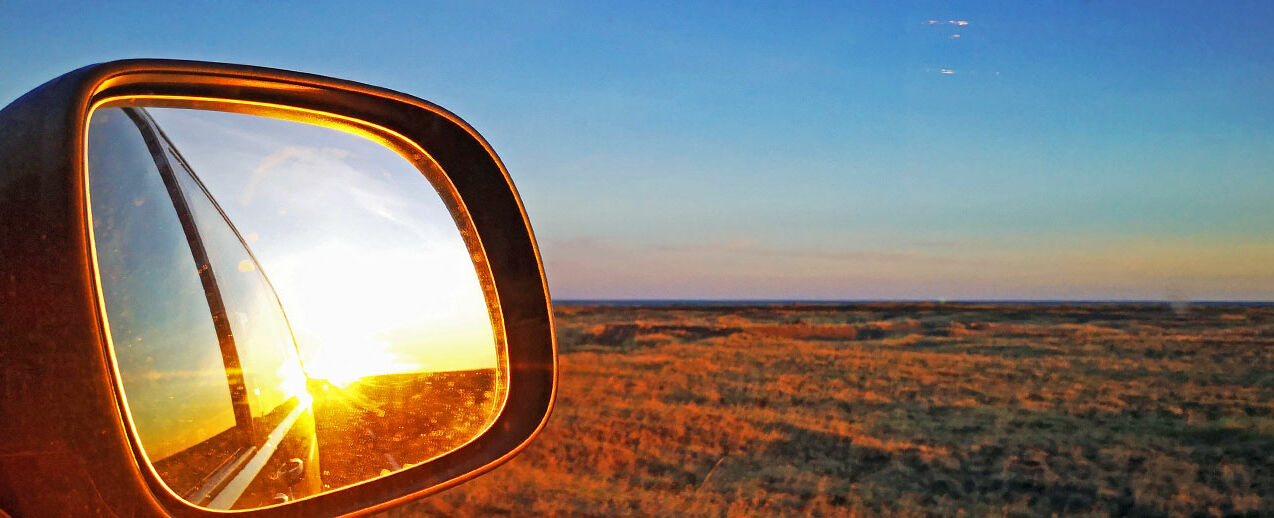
column 379, row 424
column 898, row 409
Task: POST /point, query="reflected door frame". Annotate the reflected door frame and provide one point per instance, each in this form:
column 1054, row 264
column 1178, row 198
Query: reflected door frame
column 222, row 487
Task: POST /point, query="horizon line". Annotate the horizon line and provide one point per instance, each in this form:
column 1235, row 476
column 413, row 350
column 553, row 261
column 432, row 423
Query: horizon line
column 780, row 301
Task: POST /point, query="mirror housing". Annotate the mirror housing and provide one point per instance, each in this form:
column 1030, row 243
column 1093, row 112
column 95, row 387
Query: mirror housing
column 67, row 445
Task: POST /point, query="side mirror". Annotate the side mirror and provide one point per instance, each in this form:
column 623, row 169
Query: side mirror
column 229, row 287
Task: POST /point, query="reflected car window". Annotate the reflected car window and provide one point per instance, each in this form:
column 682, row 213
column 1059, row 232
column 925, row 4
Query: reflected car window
column 210, row 370
column 161, row 328
column 267, row 353
column 282, row 423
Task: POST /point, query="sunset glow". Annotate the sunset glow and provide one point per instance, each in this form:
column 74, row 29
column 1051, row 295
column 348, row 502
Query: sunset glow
column 368, row 263
column 351, row 361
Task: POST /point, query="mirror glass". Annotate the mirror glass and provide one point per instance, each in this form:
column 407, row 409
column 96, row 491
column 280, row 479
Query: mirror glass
column 294, row 304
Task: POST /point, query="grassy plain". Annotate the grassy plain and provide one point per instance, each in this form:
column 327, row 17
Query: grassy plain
column 898, row 409
column 380, row 424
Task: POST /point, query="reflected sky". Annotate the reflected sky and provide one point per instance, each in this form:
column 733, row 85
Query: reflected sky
column 263, row 342
column 367, row 261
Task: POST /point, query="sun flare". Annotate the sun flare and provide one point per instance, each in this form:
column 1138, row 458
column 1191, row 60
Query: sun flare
column 343, row 365
column 358, row 312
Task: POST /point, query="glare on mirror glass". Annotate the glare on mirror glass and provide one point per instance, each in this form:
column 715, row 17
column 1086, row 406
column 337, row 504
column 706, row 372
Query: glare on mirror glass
column 292, row 307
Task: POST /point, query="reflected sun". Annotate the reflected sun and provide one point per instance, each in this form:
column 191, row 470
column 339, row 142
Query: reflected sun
column 358, row 311
column 342, row 365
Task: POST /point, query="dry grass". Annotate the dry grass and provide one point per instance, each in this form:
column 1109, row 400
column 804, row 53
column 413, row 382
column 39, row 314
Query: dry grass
column 900, row 409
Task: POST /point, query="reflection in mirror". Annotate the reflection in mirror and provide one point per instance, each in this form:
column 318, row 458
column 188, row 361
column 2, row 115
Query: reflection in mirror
column 292, row 306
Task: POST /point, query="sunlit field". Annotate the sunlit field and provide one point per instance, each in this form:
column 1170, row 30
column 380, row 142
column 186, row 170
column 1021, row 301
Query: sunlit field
column 898, row 409
column 380, row 424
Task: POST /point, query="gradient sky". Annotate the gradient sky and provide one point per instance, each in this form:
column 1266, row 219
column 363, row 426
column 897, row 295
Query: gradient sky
column 1075, row 150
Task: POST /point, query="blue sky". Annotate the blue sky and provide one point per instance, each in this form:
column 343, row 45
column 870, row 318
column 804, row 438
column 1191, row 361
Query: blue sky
column 753, row 150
